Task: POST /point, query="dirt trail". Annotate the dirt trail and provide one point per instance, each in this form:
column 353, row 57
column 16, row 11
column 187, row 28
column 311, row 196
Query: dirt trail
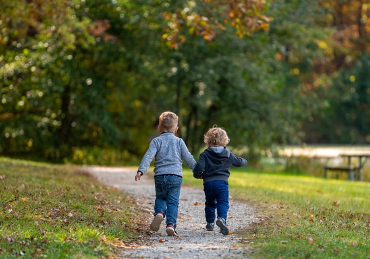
column 193, row 241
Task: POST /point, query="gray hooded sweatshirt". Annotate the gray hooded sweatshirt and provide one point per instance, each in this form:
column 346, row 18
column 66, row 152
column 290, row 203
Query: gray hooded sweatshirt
column 169, row 151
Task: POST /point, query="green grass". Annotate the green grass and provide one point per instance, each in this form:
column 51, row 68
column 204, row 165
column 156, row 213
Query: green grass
column 58, row 212
column 303, row 217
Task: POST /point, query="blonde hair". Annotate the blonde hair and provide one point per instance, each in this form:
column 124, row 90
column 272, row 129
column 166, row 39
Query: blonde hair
column 168, row 121
column 216, row 137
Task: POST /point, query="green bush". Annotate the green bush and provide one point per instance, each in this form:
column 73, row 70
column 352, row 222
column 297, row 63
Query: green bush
column 99, row 156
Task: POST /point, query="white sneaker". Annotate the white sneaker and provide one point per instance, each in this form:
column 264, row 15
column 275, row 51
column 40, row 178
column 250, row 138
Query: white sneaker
column 171, row 231
column 156, row 223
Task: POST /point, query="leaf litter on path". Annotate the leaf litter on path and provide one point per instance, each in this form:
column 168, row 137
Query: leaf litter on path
column 194, row 241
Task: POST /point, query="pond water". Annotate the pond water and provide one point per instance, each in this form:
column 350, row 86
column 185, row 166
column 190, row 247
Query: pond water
column 323, row 150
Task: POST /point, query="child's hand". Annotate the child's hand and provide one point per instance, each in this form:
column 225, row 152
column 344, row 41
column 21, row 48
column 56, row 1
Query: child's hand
column 138, row 175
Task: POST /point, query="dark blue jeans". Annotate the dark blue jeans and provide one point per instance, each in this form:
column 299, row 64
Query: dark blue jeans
column 167, row 192
column 217, row 197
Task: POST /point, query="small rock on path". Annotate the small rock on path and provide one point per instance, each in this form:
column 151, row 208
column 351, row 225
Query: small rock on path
column 193, row 241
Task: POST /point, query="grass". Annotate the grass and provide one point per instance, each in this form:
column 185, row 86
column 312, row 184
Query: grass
column 58, row 212
column 303, row 217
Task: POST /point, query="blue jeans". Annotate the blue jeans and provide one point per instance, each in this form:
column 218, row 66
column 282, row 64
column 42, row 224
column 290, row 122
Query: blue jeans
column 217, row 197
column 167, row 192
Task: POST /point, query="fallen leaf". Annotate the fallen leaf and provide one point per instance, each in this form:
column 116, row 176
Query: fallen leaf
column 160, row 241
column 197, row 203
column 335, row 204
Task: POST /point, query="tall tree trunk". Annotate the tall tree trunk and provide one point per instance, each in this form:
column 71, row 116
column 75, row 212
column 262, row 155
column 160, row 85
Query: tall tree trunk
column 190, row 131
column 360, row 23
column 65, row 127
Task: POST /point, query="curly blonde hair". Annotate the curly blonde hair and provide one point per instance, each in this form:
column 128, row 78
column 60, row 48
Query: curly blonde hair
column 168, row 121
column 216, row 137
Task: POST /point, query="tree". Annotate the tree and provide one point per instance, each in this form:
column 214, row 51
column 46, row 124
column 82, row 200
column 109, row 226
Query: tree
column 79, row 74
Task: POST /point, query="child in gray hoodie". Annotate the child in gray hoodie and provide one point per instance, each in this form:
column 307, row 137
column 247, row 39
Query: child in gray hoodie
column 169, row 151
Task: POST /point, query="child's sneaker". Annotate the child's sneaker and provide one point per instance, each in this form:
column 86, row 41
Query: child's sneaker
column 210, row 226
column 222, row 224
column 171, row 231
column 156, row 223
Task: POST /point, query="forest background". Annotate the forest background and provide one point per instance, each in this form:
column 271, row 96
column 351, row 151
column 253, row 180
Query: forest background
column 84, row 81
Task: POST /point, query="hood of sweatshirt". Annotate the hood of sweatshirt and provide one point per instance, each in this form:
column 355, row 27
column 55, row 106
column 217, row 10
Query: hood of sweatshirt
column 216, row 156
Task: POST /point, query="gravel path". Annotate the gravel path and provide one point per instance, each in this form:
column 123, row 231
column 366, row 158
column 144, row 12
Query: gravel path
column 193, row 241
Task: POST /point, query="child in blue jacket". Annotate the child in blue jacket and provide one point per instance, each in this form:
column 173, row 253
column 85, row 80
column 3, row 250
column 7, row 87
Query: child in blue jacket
column 213, row 167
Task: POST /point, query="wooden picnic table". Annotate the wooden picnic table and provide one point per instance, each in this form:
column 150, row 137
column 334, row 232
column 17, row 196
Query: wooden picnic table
column 362, row 159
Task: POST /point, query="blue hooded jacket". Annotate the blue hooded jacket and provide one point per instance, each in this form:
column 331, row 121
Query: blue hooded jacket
column 214, row 164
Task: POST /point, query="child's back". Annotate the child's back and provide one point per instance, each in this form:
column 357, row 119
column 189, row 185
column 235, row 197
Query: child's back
column 213, row 167
column 169, row 151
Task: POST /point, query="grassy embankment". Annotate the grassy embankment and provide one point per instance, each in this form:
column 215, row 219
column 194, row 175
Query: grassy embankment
column 57, row 212
column 304, row 217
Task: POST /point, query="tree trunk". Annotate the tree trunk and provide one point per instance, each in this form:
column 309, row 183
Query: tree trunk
column 65, row 127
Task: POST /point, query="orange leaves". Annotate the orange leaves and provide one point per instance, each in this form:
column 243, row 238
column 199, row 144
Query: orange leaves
column 335, row 204
column 119, row 243
column 246, row 17
column 99, row 29
column 310, row 240
column 197, row 203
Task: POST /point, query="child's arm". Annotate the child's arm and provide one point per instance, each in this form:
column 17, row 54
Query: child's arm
column 147, row 159
column 187, row 156
column 238, row 161
column 199, row 167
